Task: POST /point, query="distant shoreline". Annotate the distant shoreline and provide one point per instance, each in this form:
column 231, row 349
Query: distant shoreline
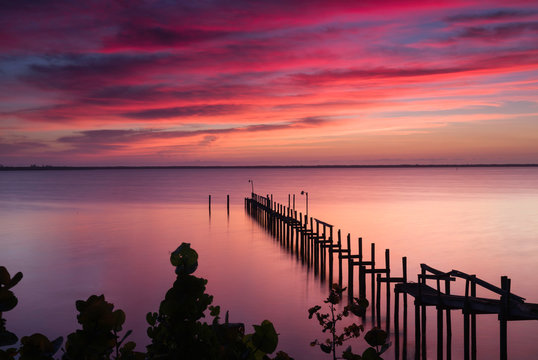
column 49, row 167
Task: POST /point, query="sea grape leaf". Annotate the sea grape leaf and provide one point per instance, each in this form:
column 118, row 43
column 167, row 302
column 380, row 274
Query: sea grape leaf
column 313, row 310
column 370, row 354
column 14, row 280
column 349, row 355
column 7, row 300
column 184, row 259
column 7, row 338
column 385, row 347
column 376, row 337
column 4, row 276
column 325, row 348
column 38, row 346
column 265, row 337
column 151, row 318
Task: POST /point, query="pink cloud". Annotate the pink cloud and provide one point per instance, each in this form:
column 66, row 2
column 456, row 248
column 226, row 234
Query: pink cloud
column 248, row 70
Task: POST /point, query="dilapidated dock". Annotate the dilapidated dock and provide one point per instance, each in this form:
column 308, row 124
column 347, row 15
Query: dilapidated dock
column 319, row 247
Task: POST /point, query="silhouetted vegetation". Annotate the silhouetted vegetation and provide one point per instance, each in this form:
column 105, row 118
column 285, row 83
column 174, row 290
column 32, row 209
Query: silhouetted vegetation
column 376, row 338
column 176, row 331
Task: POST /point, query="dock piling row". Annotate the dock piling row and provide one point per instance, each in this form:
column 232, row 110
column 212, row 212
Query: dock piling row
column 311, row 241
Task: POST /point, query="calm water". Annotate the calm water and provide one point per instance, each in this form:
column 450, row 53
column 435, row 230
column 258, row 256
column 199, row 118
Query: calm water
column 77, row 233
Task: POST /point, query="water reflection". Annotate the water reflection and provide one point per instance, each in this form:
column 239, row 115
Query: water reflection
column 77, row 233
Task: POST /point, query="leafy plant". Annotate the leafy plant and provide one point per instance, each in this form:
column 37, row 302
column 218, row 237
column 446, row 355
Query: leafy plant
column 8, row 301
column 98, row 339
column 329, row 321
column 34, row 347
column 177, row 331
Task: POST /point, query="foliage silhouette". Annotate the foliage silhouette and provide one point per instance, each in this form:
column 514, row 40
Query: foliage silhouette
column 8, row 301
column 376, row 338
column 98, row 339
column 34, row 347
column 177, row 331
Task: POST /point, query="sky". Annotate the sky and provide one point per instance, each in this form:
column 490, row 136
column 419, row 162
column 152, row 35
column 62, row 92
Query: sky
column 268, row 82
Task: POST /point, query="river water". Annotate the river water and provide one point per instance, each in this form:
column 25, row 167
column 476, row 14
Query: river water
column 81, row 232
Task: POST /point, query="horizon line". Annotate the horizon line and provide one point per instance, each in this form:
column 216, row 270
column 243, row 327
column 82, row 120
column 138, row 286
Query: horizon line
column 328, row 166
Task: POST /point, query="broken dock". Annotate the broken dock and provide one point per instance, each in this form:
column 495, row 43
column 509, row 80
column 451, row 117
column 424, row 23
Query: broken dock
column 319, row 247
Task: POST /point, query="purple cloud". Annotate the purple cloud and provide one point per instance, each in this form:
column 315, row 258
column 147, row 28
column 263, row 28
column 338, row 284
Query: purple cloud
column 155, row 37
column 184, row 111
column 499, row 32
column 491, row 15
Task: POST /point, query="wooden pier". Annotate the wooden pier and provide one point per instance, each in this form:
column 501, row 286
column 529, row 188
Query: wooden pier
column 313, row 242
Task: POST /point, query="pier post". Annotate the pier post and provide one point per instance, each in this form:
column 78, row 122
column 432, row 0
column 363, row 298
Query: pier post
column 404, row 273
column 339, row 258
column 387, row 267
column 331, row 260
column 396, row 325
column 417, row 328
column 466, row 323
column 473, row 320
column 372, row 280
column 448, row 326
column 349, row 270
column 378, row 301
column 423, row 320
column 505, row 286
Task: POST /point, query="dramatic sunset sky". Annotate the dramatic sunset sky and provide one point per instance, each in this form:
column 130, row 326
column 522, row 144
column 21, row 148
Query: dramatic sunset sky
column 268, row 82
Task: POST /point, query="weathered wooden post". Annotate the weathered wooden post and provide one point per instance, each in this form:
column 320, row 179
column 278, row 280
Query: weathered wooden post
column 473, row 320
column 339, row 258
column 331, row 260
column 289, row 240
column 378, row 302
column 372, row 279
column 210, row 204
column 362, row 272
column 349, row 270
column 295, row 232
column 404, row 347
column 311, row 241
column 387, row 267
column 315, row 244
column 301, row 234
column 448, row 326
column 423, row 316
column 228, row 204
column 396, row 325
column 466, row 322
column 417, row 327
column 267, row 213
column 439, row 323
column 503, row 314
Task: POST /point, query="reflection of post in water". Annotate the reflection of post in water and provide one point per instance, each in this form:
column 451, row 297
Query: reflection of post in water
column 341, row 253
column 397, row 316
